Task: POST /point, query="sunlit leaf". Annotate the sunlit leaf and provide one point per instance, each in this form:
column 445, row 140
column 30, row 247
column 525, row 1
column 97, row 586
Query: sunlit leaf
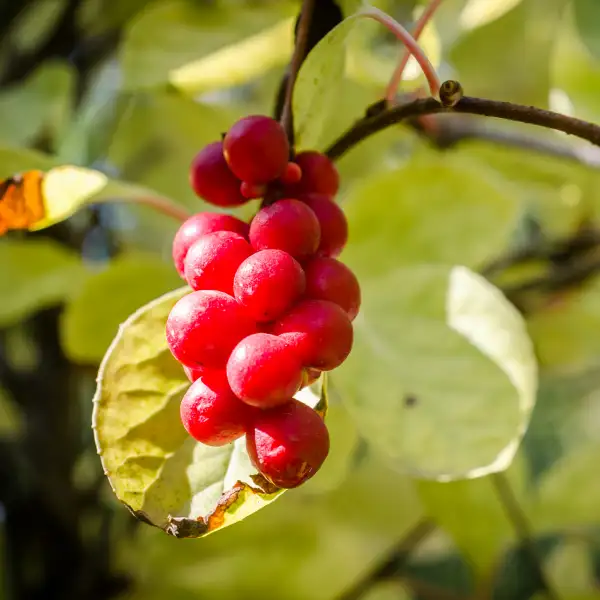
column 93, row 316
column 237, row 63
column 160, row 473
column 476, row 13
column 570, row 569
column 429, row 210
column 168, row 36
column 317, row 548
column 36, row 274
column 442, row 377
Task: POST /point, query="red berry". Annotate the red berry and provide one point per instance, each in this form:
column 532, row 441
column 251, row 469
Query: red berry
column 256, row 149
column 212, row 180
column 193, row 374
column 264, row 371
column 288, row 225
column 211, row 413
column 320, row 331
column 198, row 225
column 334, row 226
column 330, row 279
column 213, row 260
column 204, row 327
column 292, row 174
column 319, row 175
column 288, row 444
column 268, row 283
column 253, row 190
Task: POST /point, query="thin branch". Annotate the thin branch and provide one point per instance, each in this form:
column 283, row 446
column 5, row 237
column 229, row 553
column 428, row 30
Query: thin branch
column 458, row 128
column 300, row 48
column 519, row 521
column 161, row 205
column 409, row 42
column 394, row 562
column 422, row 22
column 466, row 105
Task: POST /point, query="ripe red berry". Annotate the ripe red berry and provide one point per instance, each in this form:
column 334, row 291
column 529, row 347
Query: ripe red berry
column 320, row 331
column 204, row 327
column 319, row 175
column 253, row 190
column 288, row 225
column 212, row 261
column 198, row 225
column 333, row 223
column 292, row 174
column 268, row 283
column 212, row 180
column 288, row 444
column 256, row 149
column 264, row 371
column 193, row 374
column 330, row 279
column 211, row 413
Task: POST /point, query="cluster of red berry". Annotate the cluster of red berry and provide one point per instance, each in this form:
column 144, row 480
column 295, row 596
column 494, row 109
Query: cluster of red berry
column 272, row 307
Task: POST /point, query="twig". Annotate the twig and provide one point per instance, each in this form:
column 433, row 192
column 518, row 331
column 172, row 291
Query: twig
column 396, row 78
column 162, row 205
column 287, row 118
column 409, row 42
column 466, row 105
column 518, row 520
column 394, row 562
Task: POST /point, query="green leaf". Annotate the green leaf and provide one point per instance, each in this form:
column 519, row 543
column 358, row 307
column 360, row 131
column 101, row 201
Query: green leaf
column 36, row 274
column 318, row 86
column 568, row 494
column 433, row 209
column 159, row 472
column 587, row 16
column 515, row 69
column 471, row 512
column 12, row 422
column 387, row 590
column 570, row 569
column 67, row 188
column 40, row 105
column 238, row 63
column 169, row 36
column 14, row 160
column 300, row 547
column 92, row 317
column 566, row 335
column 476, row 13
column 442, row 377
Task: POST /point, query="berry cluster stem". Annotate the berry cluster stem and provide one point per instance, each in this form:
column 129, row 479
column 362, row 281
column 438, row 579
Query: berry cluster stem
column 370, row 125
column 298, row 57
column 159, row 204
column 409, row 41
column 396, row 78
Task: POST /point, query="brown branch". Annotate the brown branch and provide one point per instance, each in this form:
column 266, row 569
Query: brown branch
column 466, row 105
column 300, row 49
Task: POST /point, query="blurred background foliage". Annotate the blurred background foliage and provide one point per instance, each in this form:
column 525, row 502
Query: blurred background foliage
column 133, row 88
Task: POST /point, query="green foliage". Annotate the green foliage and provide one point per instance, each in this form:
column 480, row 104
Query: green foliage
column 587, row 14
column 92, row 316
column 451, row 322
column 436, row 210
column 36, row 274
column 155, row 468
column 163, row 44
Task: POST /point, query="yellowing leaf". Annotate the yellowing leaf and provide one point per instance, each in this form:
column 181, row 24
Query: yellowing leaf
column 160, row 473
